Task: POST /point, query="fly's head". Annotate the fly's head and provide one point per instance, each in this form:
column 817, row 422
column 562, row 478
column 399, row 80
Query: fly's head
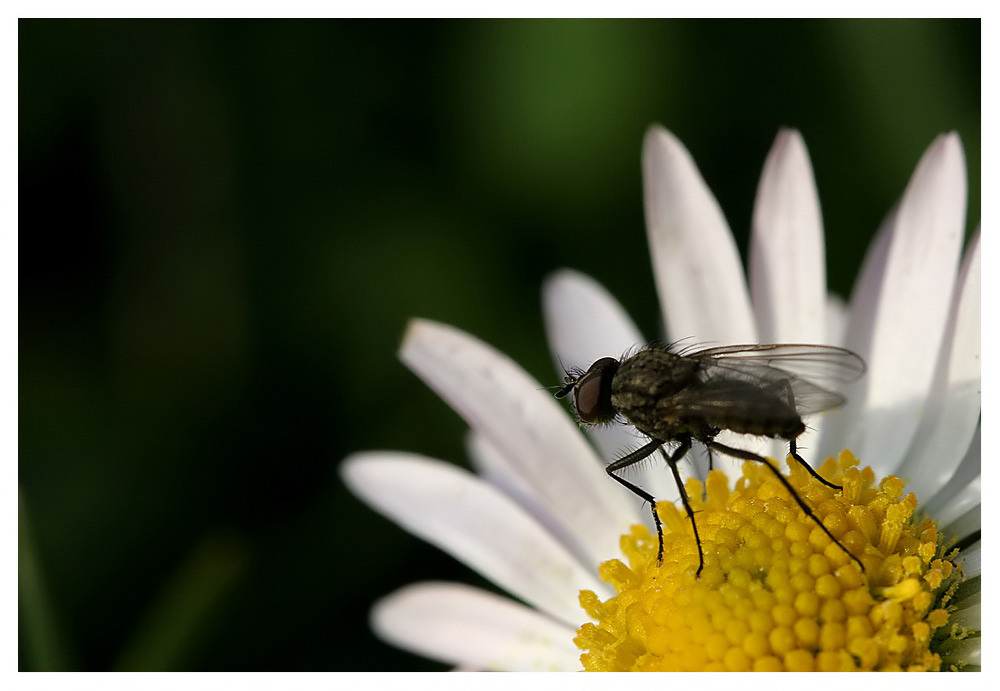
column 592, row 391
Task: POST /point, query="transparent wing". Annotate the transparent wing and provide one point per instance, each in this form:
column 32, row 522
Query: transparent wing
column 823, row 365
column 811, row 373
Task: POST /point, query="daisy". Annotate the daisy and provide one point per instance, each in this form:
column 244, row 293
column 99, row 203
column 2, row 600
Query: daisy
column 541, row 519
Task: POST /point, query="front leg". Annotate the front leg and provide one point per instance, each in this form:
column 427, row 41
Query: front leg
column 642, row 453
column 672, row 462
column 639, row 454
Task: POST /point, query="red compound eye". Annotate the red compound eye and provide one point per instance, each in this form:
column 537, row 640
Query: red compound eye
column 592, row 393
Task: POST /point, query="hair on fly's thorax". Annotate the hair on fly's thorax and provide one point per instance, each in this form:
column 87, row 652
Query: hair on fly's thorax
column 682, row 346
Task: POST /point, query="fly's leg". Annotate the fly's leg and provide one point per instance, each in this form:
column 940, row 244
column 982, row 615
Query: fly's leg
column 639, row 454
column 672, row 462
column 791, row 442
column 750, row 456
column 802, row 462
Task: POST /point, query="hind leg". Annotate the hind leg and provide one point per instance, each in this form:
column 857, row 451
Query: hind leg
column 750, row 456
column 802, row 462
column 790, row 398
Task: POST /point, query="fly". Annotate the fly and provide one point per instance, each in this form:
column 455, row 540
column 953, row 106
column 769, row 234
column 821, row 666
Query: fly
column 683, row 397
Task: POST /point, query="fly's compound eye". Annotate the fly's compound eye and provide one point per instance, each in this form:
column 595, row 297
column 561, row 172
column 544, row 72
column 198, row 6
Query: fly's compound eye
column 592, row 393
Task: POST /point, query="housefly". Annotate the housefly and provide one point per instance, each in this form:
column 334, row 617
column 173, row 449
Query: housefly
column 691, row 396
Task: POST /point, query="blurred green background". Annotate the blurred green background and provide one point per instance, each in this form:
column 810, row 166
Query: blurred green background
column 224, row 227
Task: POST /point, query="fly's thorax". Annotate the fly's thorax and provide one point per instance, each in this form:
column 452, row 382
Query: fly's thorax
column 645, row 379
column 653, row 374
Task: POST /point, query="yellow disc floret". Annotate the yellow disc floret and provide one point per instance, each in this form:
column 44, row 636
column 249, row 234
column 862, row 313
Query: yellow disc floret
column 776, row 593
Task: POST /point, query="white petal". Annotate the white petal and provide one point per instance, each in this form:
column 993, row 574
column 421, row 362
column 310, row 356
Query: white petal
column 815, row 435
column 967, row 497
column 912, row 306
column 655, row 477
column 836, row 319
column 971, row 560
column 464, row 626
column 866, row 296
column 969, row 614
column 963, row 490
column 699, row 276
column 860, row 323
column 952, row 413
column 787, row 266
column 965, row 525
column 968, row 650
column 491, row 464
column 970, row 617
column 475, row 523
column 522, row 419
column 584, row 322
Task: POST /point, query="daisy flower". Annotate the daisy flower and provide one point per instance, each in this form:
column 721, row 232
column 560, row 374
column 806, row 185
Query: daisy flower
column 541, row 519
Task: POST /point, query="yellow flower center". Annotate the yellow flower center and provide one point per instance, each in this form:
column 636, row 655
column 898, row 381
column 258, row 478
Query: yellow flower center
column 776, row 593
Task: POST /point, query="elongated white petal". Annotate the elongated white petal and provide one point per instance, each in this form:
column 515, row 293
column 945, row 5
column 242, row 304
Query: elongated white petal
column 787, row 269
column 491, row 464
column 912, row 306
column 959, row 502
column 699, row 276
column 464, row 626
column 584, row 322
column 836, row 319
column 952, row 413
column 652, row 474
column 526, row 423
column 963, row 489
column 503, row 474
column 836, row 324
column 857, row 334
column 866, row 296
column 787, row 259
column 475, row 523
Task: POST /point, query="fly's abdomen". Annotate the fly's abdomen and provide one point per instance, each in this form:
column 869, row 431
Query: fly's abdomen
column 740, row 406
column 776, row 423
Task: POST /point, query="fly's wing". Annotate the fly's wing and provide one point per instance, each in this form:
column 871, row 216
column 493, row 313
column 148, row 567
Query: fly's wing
column 810, row 375
column 821, row 364
column 735, row 403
